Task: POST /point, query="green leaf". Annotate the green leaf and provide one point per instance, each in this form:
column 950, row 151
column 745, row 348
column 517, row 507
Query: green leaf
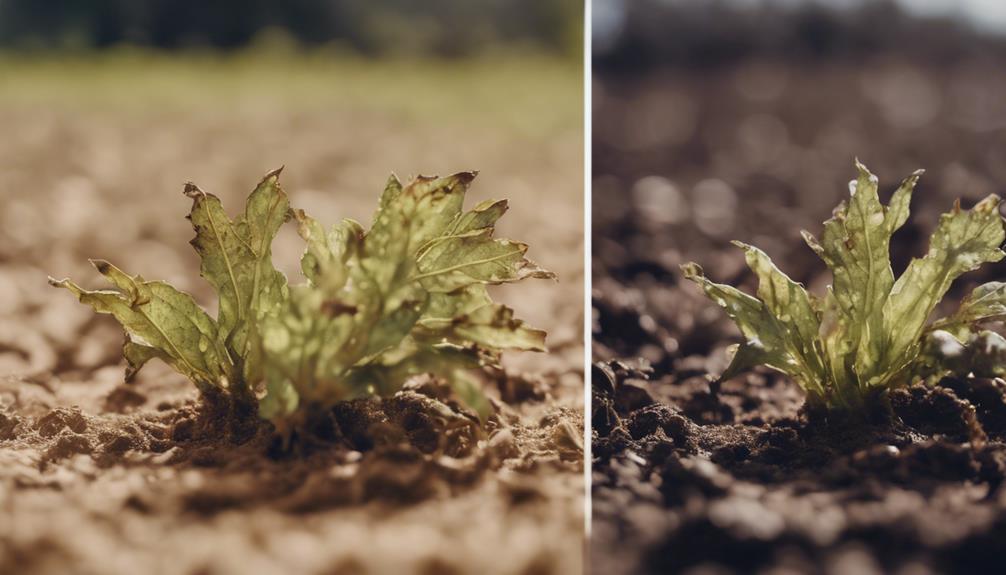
column 764, row 339
column 407, row 218
column 743, row 357
column 459, row 366
column 237, row 261
column 137, row 355
column 368, row 319
column 789, row 305
column 484, row 215
column 986, row 302
column 475, row 258
column 281, row 399
column 962, row 242
column 327, row 254
column 856, row 247
column 981, row 355
column 161, row 322
column 469, row 317
column 869, row 333
column 310, row 345
column 988, row 354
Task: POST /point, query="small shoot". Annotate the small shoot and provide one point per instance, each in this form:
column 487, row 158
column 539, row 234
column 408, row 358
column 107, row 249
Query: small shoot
column 870, row 331
column 406, row 297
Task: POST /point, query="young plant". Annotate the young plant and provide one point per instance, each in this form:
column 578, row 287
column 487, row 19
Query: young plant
column 869, row 332
column 406, row 297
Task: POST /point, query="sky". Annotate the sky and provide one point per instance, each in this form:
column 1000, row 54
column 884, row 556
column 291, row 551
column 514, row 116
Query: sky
column 988, row 15
column 985, row 15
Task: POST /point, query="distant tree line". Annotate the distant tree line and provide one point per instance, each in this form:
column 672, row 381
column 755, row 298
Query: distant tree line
column 373, row 27
column 703, row 33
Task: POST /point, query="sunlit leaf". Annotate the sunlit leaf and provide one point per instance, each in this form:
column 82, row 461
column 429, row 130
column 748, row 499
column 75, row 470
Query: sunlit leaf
column 869, row 333
column 405, row 297
column 160, row 322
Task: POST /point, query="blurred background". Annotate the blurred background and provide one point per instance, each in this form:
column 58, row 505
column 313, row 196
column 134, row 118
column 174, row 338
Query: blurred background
column 109, row 107
column 453, row 28
column 721, row 120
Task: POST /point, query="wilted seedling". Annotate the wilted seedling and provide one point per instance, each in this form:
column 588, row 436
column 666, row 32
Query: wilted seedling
column 406, row 297
column 869, row 333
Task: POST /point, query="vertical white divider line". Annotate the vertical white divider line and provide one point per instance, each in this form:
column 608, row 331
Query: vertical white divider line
column 587, row 277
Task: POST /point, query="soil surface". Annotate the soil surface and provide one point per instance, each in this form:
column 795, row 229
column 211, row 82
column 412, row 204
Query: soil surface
column 690, row 477
column 101, row 477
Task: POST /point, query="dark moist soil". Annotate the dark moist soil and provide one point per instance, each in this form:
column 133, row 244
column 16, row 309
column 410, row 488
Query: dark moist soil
column 741, row 480
column 745, row 481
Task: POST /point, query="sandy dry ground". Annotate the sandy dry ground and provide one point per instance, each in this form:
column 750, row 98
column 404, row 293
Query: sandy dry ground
column 96, row 477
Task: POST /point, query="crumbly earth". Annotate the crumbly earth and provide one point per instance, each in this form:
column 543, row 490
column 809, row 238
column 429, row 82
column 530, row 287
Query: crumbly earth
column 100, row 477
column 743, row 481
column 740, row 479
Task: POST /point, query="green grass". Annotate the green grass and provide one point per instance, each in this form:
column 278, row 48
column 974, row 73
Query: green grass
column 528, row 92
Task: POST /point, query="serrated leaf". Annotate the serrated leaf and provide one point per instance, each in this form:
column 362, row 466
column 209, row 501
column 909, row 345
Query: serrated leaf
column 407, row 218
column 470, row 317
column 475, row 258
column 483, row 215
column 236, row 259
column 763, row 339
column 363, row 322
column 327, row 254
column 985, row 302
column 963, row 241
column 869, row 332
column 160, row 321
column 367, row 320
column 856, row 247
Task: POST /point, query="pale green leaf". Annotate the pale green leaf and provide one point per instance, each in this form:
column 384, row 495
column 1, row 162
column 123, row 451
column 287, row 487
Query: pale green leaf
column 281, row 399
column 458, row 366
column 375, row 321
column 981, row 354
column 363, row 323
column 963, row 241
column 743, row 357
column 137, row 355
column 789, row 305
column 407, row 218
column 158, row 317
column 483, row 215
column 759, row 329
column 988, row 354
column 327, row 254
column 868, row 333
column 470, row 317
column 985, row 302
column 475, row 258
column 856, row 247
column 236, row 259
